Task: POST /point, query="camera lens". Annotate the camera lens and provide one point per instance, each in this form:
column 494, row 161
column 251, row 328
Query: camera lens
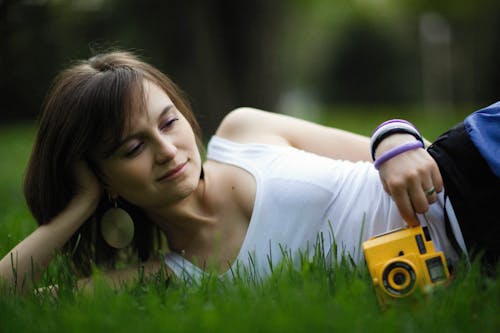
column 398, row 278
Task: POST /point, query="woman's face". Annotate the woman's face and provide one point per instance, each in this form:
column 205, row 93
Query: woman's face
column 157, row 162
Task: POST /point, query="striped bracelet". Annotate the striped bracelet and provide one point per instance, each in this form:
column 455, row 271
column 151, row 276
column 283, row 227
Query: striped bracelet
column 390, row 127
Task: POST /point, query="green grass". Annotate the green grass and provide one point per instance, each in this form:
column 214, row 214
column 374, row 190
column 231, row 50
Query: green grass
column 312, row 298
column 15, row 220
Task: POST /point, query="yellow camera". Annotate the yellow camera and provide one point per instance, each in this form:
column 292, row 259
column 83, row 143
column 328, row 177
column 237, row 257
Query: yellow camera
column 402, row 260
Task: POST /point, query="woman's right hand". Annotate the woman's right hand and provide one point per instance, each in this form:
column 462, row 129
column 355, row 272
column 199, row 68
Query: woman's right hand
column 89, row 189
column 408, row 176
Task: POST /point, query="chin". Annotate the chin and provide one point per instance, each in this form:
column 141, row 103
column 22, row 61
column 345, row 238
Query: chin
column 187, row 188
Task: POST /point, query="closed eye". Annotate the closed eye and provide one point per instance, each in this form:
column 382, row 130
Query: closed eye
column 169, row 123
column 134, row 150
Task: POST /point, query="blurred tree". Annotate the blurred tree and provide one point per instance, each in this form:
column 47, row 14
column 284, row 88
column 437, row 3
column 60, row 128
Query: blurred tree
column 370, row 67
column 222, row 53
column 23, row 59
column 371, row 52
column 475, row 45
column 230, row 53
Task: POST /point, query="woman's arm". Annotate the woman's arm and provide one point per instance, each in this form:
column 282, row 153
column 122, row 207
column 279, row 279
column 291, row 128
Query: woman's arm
column 252, row 125
column 36, row 250
column 405, row 177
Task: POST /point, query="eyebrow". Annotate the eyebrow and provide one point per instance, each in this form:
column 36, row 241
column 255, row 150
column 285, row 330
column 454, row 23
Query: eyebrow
column 165, row 110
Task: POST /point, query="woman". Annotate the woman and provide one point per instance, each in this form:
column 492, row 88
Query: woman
column 115, row 132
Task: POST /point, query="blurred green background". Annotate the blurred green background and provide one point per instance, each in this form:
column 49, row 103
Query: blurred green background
column 345, row 63
column 300, row 57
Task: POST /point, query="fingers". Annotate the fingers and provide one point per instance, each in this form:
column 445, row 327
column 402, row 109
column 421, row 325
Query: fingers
column 432, row 182
column 437, row 180
column 405, row 206
column 408, row 192
column 87, row 181
column 413, row 181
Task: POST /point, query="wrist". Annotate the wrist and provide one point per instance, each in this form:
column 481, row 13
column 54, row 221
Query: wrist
column 391, row 142
column 389, row 129
column 386, row 156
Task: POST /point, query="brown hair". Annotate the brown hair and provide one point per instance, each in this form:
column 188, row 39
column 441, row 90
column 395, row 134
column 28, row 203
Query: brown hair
column 85, row 113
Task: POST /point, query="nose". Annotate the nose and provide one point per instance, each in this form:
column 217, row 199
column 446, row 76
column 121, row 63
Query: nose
column 165, row 150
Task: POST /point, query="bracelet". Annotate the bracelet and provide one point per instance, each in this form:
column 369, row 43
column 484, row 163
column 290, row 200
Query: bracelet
column 378, row 139
column 392, row 121
column 390, row 127
column 396, row 151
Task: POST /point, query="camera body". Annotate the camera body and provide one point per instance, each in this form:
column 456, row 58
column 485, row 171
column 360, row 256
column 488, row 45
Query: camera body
column 403, row 260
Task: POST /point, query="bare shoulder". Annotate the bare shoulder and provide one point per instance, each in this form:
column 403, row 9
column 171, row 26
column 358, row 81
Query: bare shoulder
column 247, row 124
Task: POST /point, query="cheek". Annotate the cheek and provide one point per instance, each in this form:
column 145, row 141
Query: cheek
column 190, row 139
column 126, row 176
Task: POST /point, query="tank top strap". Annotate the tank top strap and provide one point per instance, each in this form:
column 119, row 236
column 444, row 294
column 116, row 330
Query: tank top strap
column 183, row 268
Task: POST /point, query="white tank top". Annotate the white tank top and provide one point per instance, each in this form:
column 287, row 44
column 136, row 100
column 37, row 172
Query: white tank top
column 302, row 198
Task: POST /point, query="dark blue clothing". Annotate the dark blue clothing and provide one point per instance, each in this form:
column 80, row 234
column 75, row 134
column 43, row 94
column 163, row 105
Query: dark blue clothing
column 483, row 127
column 469, row 161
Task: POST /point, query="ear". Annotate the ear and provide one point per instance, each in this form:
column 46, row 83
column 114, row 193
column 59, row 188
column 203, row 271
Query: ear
column 98, row 173
column 110, row 192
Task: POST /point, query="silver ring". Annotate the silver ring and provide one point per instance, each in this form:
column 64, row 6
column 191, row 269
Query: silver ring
column 430, row 191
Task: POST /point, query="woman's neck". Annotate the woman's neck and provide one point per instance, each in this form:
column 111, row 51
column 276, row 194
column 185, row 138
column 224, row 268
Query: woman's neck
column 185, row 220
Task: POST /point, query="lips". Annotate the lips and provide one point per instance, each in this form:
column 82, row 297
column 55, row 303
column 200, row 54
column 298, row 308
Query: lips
column 173, row 173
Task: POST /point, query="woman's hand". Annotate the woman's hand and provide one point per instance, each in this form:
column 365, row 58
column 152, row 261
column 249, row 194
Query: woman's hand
column 412, row 178
column 89, row 188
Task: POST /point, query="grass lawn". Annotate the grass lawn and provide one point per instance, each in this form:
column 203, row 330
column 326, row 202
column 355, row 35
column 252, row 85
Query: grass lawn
column 313, row 298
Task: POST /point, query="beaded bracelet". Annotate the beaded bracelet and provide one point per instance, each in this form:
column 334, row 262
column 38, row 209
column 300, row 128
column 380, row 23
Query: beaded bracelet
column 392, row 127
column 396, row 151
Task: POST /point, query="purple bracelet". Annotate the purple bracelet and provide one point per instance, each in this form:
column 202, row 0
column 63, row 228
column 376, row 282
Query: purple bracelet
column 396, row 151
